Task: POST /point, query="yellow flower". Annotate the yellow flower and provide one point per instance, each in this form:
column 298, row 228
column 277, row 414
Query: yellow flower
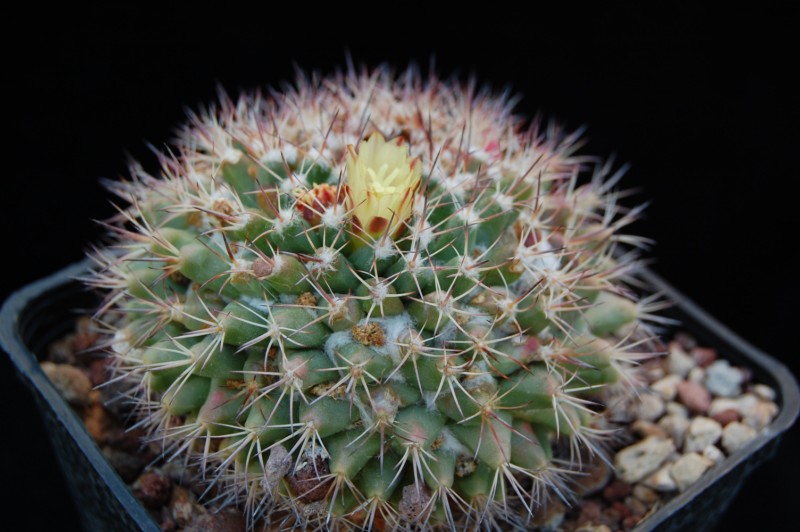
column 382, row 179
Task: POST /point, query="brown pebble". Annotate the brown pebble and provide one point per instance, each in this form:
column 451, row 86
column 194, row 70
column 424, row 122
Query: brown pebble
column 630, row 522
column 167, row 523
column 696, row 398
column 97, row 422
column 129, row 441
column 308, row 483
column 71, row 382
column 623, row 510
column 645, row 494
column 636, row 507
column 727, row 416
column 128, row 465
column 704, row 356
column 182, row 505
column 590, row 512
column 617, row 490
column 226, row 520
column 153, row 489
column 597, row 476
column 611, row 517
column 98, row 371
column 84, row 341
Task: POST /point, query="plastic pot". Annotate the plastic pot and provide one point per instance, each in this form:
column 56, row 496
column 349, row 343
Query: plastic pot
column 44, row 311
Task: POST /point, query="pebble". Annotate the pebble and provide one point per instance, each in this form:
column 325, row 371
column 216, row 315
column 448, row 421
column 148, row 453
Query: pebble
column 675, row 425
column 645, row 494
column 678, row 361
column 694, row 396
column 636, row 461
column 764, row 392
column 617, row 490
column 677, row 409
column 637, row 507
column 167, row 522
column 176, row 471
column 99, row 370
column 226, row 520
column 746, row 403
column 597, row 475
column 727, row 416
column 630, row 522
column 736, row 435
column 653, row 370
column 688, row 469
column 591, row 511
column 650, row 407
column 703, row 431
column 723, row 380
column 713, row 453
column 551, row 516
column 97, row 422
column 661, row 480
column 593, row 528
column 72, row 383
column 182, row 505
column 667, row 387
column 697, row 375
column 722, row 404
column 686, row 341
column 704, row 356
column 153, row 489
column 760, row 415
column 128, row 465
column 648, row 428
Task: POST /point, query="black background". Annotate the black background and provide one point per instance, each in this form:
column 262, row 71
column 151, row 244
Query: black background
column 698, row 100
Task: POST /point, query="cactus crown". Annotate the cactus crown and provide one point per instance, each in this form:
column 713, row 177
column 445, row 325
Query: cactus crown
column 374, row 301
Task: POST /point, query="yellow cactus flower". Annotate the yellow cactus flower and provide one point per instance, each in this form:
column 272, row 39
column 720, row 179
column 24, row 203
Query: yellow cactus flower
column 382, row 179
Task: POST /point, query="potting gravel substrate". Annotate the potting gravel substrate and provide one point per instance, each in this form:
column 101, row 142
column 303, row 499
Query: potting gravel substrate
column 696, row 410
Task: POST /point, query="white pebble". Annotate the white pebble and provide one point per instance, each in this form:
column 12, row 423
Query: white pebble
column 764, row 392
column 667, row 387
column 736, row 435
column 680, row 363
column 661, row 480
column 689, row 469
column 677, row 409
column 760, row 415
column 713, row 453
column 703, row 431
column 675, row 425
column 650, row 407
column 697, row 375
column 747, row 402
column 723, row 380
column 635, row 462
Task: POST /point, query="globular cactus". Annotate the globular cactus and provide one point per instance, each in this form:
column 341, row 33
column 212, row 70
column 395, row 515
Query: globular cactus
column 374, row 301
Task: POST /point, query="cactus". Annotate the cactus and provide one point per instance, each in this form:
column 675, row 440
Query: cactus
column 375, row 301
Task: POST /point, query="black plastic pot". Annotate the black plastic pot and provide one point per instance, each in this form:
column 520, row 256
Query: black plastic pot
column 44, row 311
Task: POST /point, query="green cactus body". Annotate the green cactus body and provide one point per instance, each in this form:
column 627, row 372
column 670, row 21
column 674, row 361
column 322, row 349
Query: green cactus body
column 413, row 349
